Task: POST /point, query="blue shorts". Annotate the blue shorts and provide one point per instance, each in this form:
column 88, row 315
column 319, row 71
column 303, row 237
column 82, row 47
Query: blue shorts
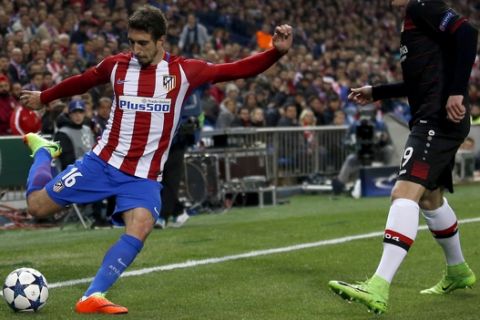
column 91, row 179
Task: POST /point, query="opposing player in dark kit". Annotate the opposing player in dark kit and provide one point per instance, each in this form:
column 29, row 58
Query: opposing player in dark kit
column 438, row 48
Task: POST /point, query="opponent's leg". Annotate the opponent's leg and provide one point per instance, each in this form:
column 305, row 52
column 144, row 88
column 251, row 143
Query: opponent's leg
column 442, row 222
column 400, row 233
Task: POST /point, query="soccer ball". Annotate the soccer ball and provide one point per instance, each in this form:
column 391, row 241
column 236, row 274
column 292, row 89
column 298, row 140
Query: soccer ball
column 25, row 289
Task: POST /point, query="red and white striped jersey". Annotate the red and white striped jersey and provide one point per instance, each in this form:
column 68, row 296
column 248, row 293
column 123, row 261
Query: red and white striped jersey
column 148, row 102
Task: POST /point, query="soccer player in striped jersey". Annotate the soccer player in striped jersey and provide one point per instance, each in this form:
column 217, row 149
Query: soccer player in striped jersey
column 437, row 51
column 150, row 87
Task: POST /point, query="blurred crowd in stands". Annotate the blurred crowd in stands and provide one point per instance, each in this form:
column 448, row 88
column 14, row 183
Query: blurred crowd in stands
column 339, row 44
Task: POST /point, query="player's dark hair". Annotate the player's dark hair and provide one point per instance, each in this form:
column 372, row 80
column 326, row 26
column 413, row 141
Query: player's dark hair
column 149, row 19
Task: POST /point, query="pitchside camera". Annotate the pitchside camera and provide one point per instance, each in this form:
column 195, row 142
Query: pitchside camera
column 365, row 136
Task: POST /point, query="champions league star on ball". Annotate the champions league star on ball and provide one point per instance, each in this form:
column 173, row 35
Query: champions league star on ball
column 25, row 290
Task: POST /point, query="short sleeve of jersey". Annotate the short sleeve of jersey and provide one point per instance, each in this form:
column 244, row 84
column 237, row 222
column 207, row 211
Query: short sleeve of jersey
column 434, row 15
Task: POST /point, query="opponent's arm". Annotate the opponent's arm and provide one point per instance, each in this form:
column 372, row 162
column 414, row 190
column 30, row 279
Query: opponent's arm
column 465, row 39
column 438, row 19
column 369, row 94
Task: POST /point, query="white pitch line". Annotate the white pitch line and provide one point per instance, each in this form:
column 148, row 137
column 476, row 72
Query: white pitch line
column 251, row 254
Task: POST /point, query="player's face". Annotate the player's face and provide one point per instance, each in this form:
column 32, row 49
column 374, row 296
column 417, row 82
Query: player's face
column 146, row 50
column 399, row 3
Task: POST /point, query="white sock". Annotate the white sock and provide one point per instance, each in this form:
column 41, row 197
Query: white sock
column 400, row 233
column 442, row 222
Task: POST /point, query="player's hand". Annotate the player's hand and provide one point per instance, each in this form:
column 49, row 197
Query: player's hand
column 455, row 108
column 361, row 96
column 31, row 99
column 283, row 38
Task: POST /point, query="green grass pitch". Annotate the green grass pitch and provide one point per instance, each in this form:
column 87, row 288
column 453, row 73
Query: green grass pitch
column 283, row 285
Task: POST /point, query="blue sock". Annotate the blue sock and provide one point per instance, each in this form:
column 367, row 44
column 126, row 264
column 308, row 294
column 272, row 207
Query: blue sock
column 40, row 172
column 116, row 260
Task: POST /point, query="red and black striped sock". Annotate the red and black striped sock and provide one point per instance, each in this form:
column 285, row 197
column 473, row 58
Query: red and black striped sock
column 400, row 233
column 443, row 224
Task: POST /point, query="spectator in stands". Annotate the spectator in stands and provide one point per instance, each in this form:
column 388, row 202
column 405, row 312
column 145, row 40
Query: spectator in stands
column 307, row 119
column 80, row 35
column 219, row 39
column 257, row 117
column 49, row 117
column 24, row 25
column 16, row 69
column 3, row 65
column 232, row 93
column 63, row 41
column 16, row 90
column 263, row 37
column 226, row 117
column 36, row 82
column 193, row 37
column 339, row 118
column 56, row 66
column 74, row 137
column 289, row 118
column 318, row 108
column 7, row 104
column 250, row 101
column 242, row 119
column 48, row 29
column 101, row 115
column 334, row 104
column 24, row 120
column 47, row 80
column 475, row 113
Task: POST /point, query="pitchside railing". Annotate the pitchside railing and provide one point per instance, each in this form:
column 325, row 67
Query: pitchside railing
column 233, row 153
column 282, row 152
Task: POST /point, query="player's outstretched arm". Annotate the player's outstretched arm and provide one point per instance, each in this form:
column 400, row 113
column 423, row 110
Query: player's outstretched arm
column 283, row 38
column 31, row 99
column 74, row 85
column 199, row 72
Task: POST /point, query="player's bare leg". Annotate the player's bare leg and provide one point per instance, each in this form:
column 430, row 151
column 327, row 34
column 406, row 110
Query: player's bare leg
column 40, row 205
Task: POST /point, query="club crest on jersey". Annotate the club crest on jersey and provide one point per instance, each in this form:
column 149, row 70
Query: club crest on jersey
column 169, row 82
column 144, row 104
column 58, row 186
column 403, row 53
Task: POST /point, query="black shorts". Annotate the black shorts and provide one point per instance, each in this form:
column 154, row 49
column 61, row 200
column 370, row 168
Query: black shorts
column 429, row 157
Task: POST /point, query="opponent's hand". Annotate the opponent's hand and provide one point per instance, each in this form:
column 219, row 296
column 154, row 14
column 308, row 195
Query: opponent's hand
column 361, row 96
column 31, row 99
column 455, row 108
column 283, row 38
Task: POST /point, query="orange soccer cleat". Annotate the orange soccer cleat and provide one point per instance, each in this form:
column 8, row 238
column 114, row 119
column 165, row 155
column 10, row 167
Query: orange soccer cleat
column 97, row 303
